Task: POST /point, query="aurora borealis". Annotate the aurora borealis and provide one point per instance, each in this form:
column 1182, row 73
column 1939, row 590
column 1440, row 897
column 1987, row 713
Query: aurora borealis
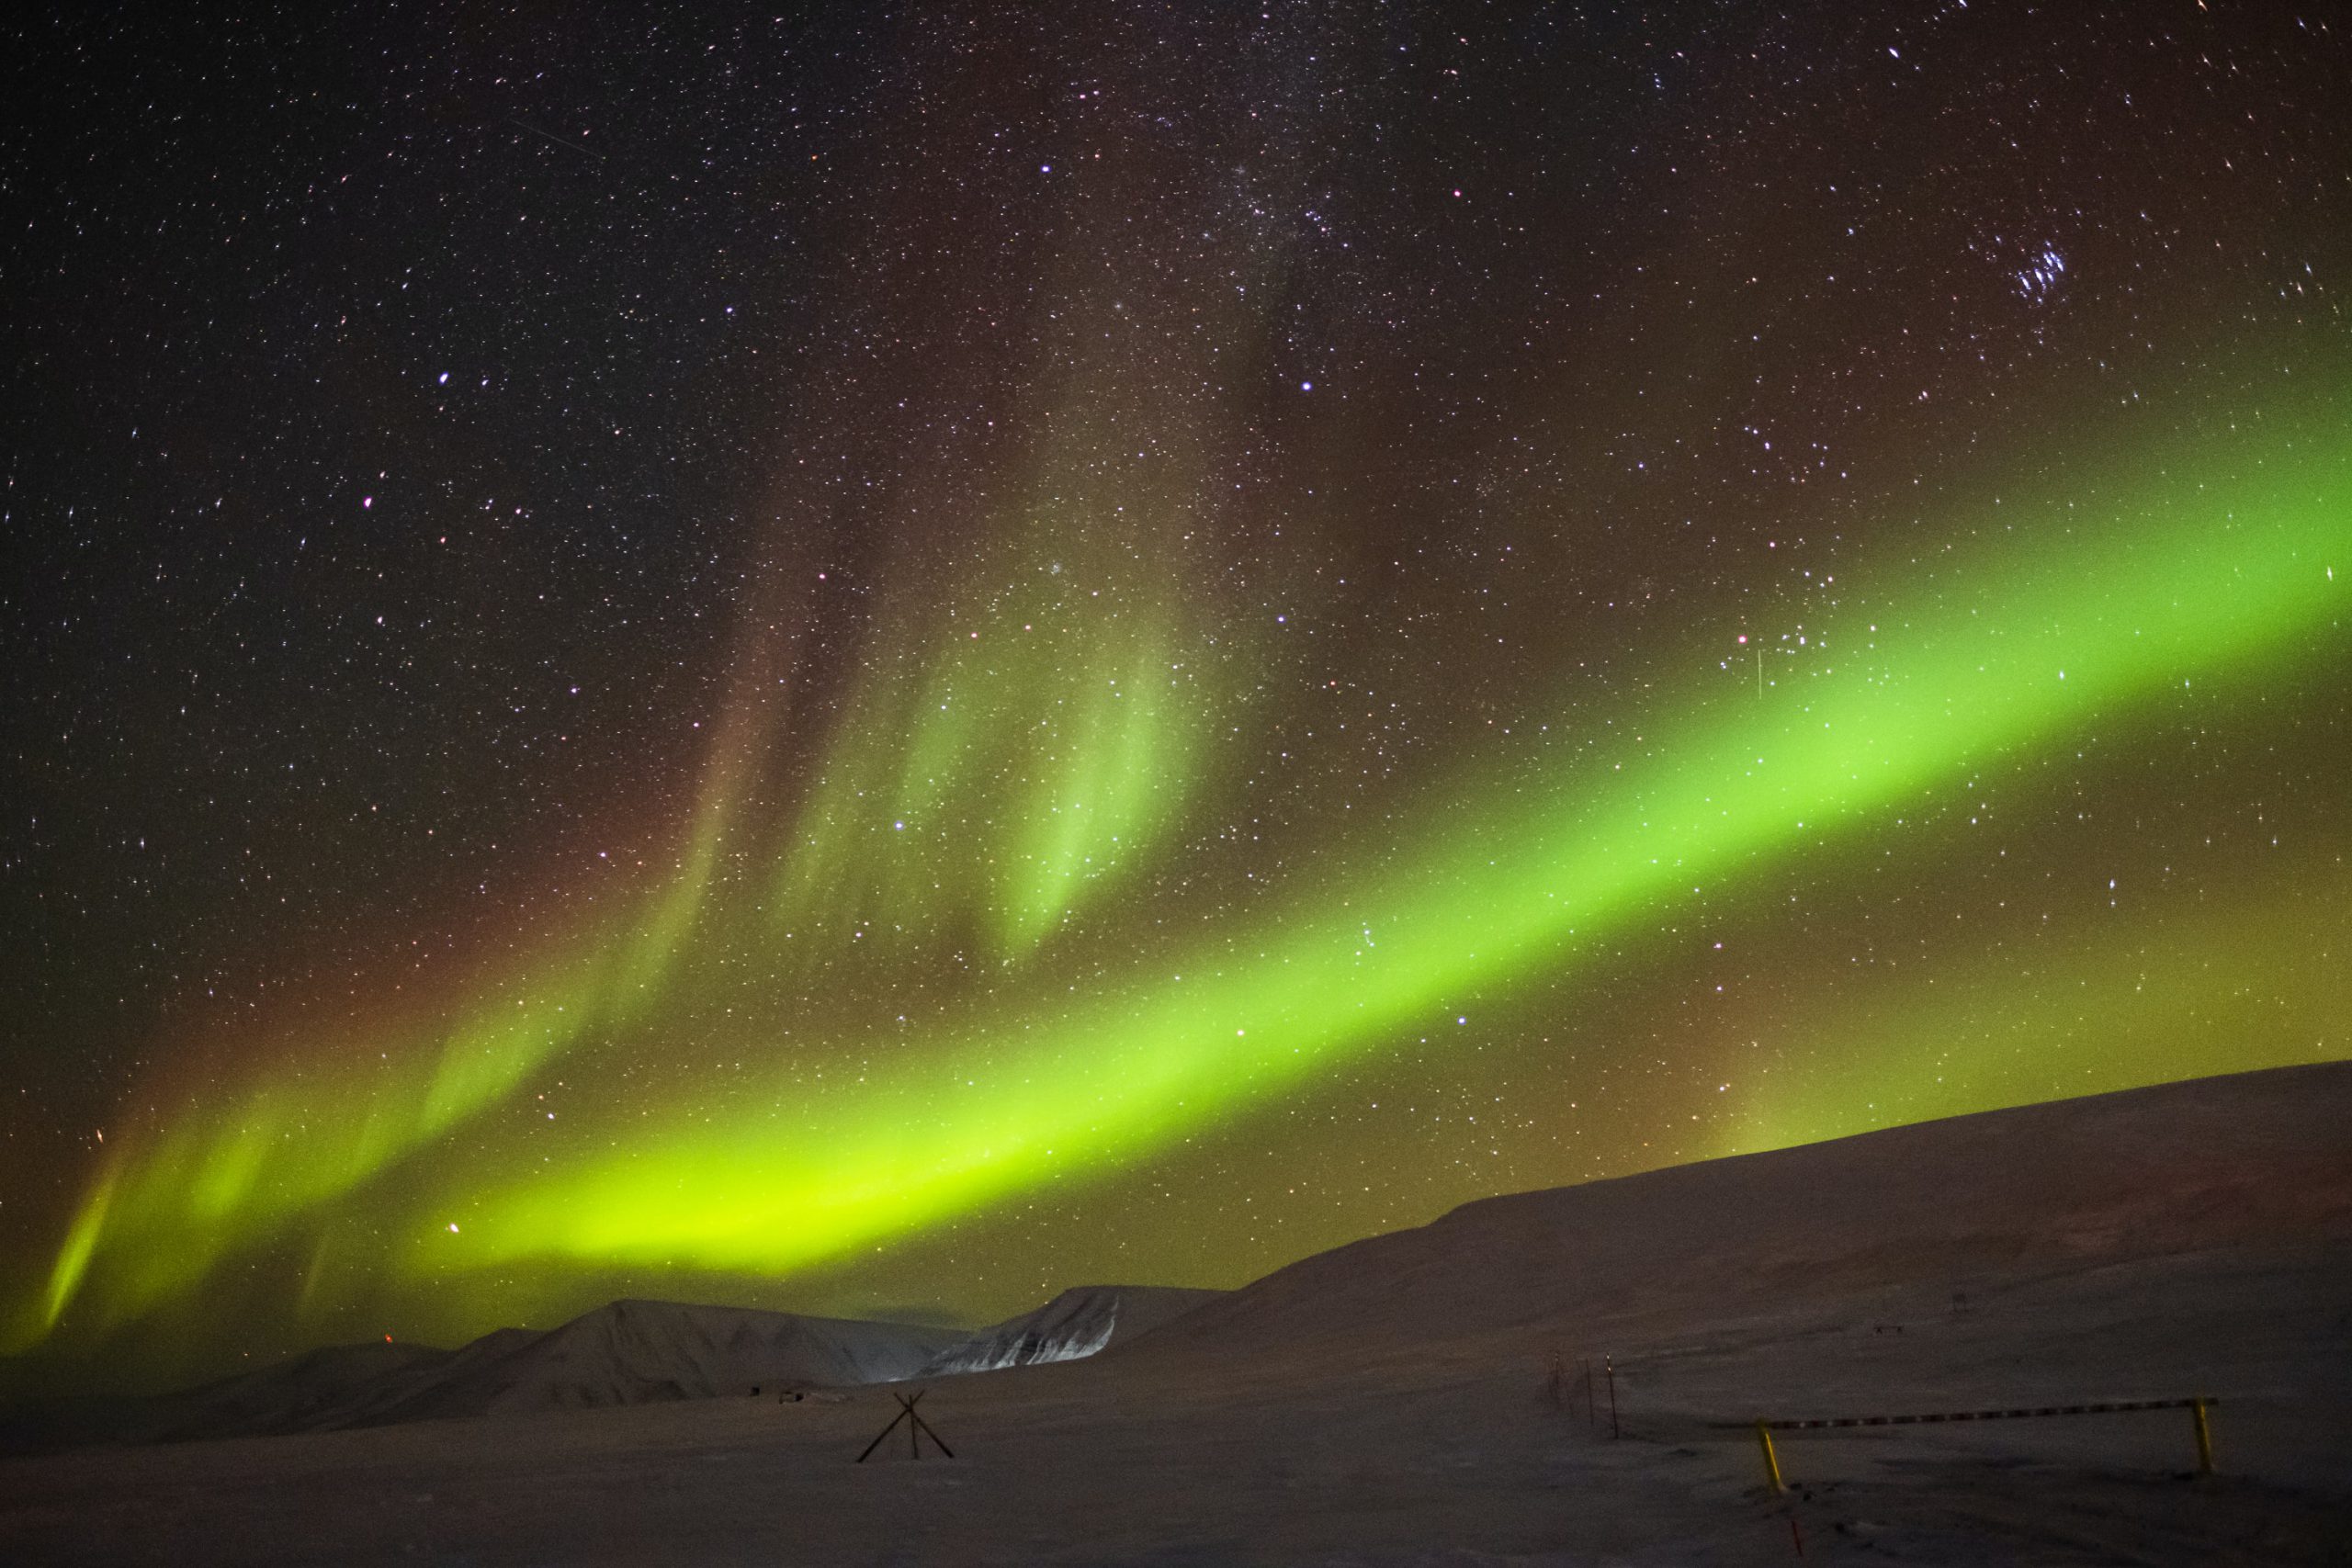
column 889, row 662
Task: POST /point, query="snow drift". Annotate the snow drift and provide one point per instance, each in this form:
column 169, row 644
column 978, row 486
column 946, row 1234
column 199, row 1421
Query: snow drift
column 1074, row 1324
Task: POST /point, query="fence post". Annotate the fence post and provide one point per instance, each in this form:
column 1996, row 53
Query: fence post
column 2204, row 1437
column 1772, row 1459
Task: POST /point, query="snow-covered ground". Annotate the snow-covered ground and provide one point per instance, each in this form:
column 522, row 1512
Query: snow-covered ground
column 1395, row 1401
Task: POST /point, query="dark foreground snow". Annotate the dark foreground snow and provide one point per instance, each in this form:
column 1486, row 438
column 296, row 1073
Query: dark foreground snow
column 1396, row 1402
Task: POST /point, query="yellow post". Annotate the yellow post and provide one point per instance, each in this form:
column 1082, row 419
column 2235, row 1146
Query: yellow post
column 2204, row 1438
column 1772, row 1460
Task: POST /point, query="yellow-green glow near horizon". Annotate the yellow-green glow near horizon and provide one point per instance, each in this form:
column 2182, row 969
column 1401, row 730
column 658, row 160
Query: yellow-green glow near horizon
column 2230, row 985
column 2230, row 572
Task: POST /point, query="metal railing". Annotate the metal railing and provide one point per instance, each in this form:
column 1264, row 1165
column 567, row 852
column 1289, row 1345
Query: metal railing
column 2199, row 1407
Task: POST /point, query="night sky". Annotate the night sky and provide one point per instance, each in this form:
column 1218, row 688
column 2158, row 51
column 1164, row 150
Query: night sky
column 883, row 658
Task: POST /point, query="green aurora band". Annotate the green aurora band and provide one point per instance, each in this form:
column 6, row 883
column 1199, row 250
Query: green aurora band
column 2228, row 569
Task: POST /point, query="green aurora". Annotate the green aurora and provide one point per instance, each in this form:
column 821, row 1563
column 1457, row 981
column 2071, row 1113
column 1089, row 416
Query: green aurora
column 1085, row 1035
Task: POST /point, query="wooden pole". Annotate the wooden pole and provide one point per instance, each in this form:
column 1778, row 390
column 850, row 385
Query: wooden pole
column 1609, row 1365
column 944, row 1451
column 2204, row 1437
column 880, row 1435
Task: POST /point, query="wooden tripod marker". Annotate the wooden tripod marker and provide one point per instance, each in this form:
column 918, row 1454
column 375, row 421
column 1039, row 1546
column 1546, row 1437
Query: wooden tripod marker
column 917, row 1429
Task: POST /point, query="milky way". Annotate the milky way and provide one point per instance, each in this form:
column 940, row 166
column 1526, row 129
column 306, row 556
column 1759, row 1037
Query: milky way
column 977, row 656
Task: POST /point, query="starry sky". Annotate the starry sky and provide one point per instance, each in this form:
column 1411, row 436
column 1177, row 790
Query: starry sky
column 881, row 659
